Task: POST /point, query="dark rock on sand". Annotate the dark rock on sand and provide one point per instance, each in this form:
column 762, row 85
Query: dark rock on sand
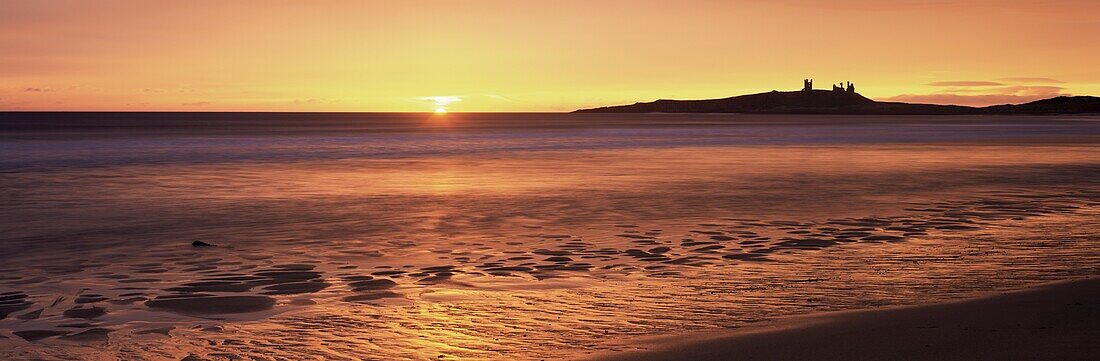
column 295, row 288
column 745, row 256
column 510, row 268
column 160, row 331
column 709, row 248
column 33, row 315
column 85, row 312
column 11, row 302
column 807, row 243
column 289, row 276
column 202, row 304
column 97, row 335
column 388, row 273
column 89, row 298
column 212, row 286
column 372, row 285
column 280, row 279
column 371, row 296
column 295, row 266
column 437, row 278
column 201, row 244
column 881, row 237
column 35, row 335
column 659, row 250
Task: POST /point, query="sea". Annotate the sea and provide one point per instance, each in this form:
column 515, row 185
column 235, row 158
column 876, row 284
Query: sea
column 518, row 236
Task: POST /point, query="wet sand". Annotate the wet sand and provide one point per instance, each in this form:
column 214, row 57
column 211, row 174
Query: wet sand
column 1053, row 322
column 491, row 243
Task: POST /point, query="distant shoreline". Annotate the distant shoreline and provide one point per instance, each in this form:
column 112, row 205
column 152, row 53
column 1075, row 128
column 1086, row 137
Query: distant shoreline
column 847, row 102
column 1055, row 321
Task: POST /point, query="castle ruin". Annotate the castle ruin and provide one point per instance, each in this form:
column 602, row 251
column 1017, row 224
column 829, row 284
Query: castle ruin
column 808, row 85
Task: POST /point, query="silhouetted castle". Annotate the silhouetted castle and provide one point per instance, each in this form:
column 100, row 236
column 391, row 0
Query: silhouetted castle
column 843, row 99
column 808, row 85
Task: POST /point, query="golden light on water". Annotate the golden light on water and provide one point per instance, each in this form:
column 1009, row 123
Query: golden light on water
column 459, row 217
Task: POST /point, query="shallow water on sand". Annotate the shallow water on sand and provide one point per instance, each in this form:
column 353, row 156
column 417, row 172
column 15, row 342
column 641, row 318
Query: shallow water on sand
column 522, row 236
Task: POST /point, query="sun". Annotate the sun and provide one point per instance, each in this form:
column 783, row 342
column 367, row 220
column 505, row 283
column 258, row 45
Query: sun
column 440, row 102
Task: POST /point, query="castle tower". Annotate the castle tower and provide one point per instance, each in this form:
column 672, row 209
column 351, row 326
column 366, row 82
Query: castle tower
column 851, row 87
column 807, row 85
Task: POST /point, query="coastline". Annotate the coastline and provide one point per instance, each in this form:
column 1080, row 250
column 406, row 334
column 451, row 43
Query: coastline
column 528, row 243
column 1055, row 321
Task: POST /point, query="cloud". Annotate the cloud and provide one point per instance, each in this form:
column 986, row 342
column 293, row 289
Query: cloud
column 965, row 83
column 1013, row 94
column 442, row 100
column 1010, row 90
column 316, row 101
column 499, row 97
column 959, row 99
column 37, row 90
column 1032, row 80
column 1031, row 90
column 196, row 104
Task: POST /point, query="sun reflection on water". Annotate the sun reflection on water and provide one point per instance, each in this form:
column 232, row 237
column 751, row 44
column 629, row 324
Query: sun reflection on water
column 553, row 254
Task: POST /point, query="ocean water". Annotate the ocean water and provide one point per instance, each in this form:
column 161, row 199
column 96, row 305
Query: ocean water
column 512, row 236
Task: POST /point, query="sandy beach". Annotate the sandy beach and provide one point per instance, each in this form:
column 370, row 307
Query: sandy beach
column 518, row 237
column 488, row 180
column 1052, row 322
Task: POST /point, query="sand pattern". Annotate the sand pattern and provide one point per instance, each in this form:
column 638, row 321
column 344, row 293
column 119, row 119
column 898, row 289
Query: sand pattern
column 210, row 288
column 521, row 237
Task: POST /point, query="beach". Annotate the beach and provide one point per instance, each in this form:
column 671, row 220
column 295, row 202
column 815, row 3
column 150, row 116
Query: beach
column 351, row 236
column 1050, row 322
column 489, row 180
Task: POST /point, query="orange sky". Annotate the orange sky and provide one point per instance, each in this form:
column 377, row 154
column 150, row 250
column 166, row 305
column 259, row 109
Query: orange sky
column 532, row 55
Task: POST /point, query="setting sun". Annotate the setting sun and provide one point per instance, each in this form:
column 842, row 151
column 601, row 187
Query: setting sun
column 440, row 103
column 621, row 180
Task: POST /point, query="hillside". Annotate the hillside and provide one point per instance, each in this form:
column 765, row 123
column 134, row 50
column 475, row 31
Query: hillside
column 843, row 102
column 1056, row 105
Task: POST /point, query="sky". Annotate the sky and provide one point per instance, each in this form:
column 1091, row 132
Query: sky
column 532, row 55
